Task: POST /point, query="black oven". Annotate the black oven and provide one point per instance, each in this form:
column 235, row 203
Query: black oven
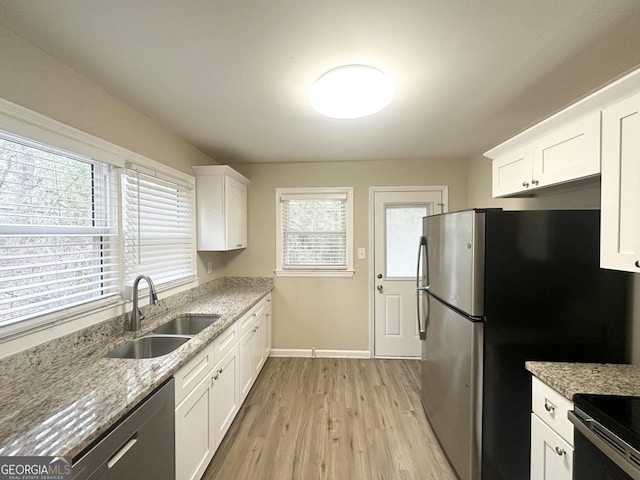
column 606, row 439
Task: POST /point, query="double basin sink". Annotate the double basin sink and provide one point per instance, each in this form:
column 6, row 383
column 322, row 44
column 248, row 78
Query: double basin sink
column 165, row 338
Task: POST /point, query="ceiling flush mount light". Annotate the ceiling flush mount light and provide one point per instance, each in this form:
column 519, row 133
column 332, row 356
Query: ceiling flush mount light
column 351, row 91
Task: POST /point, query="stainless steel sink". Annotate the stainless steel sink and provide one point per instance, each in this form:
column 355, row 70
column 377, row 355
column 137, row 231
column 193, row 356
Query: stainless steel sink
column 187, row 325
column 148, row 347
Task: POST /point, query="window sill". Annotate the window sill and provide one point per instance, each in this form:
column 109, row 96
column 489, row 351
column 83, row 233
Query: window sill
column 315, row 273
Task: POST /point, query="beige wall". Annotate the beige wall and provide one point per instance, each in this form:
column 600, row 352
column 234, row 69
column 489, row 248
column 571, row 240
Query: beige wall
column 566, row 197
column 35, row 80
column 328, row 313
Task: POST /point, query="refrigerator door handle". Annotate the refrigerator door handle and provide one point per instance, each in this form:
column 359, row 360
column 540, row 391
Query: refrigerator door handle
column 422, row 247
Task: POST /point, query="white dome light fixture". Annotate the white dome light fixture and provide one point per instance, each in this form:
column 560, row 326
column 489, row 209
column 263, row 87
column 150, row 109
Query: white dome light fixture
column 351, row 91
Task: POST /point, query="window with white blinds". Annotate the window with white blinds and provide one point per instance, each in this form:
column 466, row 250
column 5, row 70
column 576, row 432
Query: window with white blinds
column 157, row 228
column 58, row 230
column 314, row 231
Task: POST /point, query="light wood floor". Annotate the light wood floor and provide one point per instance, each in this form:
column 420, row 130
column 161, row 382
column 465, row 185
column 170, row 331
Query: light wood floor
column 335, row 419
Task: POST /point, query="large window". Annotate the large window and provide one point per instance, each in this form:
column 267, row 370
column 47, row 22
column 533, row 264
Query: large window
column 314, row 231
column 75, row 232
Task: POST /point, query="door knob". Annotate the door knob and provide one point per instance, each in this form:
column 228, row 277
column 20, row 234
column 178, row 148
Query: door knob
column 379, row 287
column 379, row 275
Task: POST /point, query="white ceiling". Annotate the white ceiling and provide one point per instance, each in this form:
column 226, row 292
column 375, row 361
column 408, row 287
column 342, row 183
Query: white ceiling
column 232, row 76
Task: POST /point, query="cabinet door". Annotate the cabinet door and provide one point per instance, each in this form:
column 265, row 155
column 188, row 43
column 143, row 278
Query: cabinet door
column 257, row 346
column 225, row 389
column 267, row 329
column 245, row 364
column 620, row 232
column 236, row 213
column 241, row 217
column 195, row 436
column 568, row 153
column 551, row 456
column 511, row 173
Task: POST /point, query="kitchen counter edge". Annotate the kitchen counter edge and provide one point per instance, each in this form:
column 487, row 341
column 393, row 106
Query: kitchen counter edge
column 597, row 378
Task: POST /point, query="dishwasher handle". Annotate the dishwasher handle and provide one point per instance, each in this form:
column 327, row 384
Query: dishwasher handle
column 123, row 451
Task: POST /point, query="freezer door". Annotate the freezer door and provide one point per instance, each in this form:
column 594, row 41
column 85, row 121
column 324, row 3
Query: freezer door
column 455, row 258
column 452, row 386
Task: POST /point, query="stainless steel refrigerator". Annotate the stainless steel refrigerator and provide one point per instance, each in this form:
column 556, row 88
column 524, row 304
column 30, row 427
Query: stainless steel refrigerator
column 495, row 289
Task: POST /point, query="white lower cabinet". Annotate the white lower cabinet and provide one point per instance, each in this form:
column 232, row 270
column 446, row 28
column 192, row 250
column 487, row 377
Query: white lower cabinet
column 226, row 395
column 551, row 434
column 551, row 456
column 252, row 354
column 195, row 436
column 209, row 397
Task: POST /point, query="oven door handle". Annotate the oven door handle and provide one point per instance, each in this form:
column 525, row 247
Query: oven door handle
column 586, row 425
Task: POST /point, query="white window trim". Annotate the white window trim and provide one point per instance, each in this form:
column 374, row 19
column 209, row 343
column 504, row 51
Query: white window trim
column 347, row 272
column 22, row 122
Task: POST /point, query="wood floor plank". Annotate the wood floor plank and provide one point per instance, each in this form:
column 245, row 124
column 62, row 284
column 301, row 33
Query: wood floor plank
column 332, row 419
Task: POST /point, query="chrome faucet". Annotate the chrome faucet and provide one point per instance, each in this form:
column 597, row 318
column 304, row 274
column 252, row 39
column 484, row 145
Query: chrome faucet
column 136, row 313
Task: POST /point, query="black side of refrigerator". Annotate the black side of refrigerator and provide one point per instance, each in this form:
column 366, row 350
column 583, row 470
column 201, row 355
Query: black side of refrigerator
column 546, row 298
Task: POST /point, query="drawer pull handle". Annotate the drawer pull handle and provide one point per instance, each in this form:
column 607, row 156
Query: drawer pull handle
column 561, row 451
column 549, row 407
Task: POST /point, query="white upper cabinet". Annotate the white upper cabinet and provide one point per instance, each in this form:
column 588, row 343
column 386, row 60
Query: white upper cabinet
column 567, row 153
column 574, row 144
column 620, row 231
column 512, row 172
column 221, row 208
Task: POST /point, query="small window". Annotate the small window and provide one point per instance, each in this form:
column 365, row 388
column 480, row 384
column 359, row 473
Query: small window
column 314, row 231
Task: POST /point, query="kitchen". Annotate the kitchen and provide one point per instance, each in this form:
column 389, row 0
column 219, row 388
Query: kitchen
column 40, row 82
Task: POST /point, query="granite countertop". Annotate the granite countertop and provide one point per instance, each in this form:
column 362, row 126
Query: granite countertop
column 59, row 397
column 598, row 378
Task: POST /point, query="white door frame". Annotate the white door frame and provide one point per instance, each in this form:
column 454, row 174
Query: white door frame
column 444, row 189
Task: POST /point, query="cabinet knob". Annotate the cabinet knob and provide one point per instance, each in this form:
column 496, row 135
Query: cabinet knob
column 637, row 264
column 549, row 407
column 561, row 451
column 525, row 184
column 219, row 371
column 215, row 377
column 534, row 182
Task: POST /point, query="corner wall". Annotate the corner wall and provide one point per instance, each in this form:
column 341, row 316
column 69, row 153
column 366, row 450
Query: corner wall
column 328, row 313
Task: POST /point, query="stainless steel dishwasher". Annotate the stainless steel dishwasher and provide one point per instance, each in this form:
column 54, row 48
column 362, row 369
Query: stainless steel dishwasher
column 141, row 446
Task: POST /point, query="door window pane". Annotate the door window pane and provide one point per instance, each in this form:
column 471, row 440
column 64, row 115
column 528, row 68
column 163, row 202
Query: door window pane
column 403, row 230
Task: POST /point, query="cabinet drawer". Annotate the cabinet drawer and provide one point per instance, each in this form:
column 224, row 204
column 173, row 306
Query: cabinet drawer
column 551, row 407
column 225, row 342
column 246, row 322
column 193, row 372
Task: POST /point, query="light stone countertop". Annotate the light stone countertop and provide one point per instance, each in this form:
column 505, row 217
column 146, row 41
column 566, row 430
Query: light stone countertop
column 59, row 397
column 598, row 378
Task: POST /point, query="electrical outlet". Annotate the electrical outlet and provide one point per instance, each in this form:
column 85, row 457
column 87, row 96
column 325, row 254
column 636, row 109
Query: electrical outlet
column 361, row 253
column 209, row 267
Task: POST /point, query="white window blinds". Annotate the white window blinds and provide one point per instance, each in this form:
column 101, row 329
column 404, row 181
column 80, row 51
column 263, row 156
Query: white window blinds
column 157, row 228
column 58, row 230
column 314, row 230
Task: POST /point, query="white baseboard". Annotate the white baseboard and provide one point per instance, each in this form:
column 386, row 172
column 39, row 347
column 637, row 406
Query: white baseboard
column 307, row 352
